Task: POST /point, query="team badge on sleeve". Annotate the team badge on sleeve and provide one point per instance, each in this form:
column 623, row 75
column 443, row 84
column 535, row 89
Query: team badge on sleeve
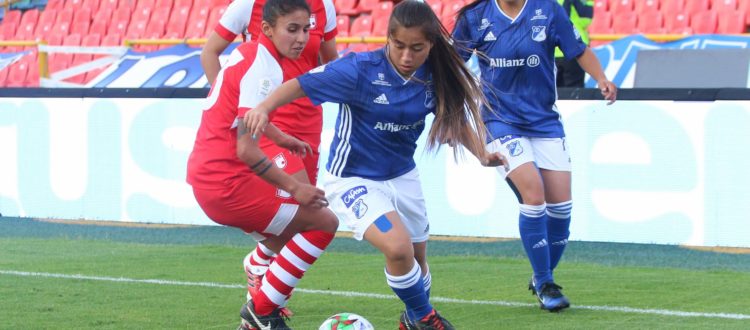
column 280, row 161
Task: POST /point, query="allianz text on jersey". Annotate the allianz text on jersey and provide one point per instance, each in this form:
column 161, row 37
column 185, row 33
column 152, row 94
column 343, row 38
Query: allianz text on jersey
column 531, row 61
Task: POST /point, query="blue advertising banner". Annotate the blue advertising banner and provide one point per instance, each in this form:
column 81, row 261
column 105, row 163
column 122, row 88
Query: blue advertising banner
column 618, row 58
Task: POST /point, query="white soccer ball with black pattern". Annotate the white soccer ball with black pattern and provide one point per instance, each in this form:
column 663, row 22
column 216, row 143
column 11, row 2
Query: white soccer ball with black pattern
column 346, row 321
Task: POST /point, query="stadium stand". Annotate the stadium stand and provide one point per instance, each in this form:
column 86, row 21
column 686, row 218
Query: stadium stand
column 112, row 22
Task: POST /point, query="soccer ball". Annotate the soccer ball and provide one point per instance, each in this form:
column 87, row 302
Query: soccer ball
column 346, row 321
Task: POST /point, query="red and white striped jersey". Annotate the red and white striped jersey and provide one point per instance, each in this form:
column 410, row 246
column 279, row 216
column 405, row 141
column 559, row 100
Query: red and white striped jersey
column 244, row 17
column 251, row 73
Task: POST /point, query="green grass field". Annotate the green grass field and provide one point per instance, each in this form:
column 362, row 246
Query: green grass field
column 73, row 276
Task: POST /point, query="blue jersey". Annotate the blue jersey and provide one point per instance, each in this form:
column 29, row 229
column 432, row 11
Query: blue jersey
column 517, row 62
column 381, row 114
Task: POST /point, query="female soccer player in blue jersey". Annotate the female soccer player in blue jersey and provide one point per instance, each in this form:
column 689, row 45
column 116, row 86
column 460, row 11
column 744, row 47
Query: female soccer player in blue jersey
column 515, row 41
column 372, row 182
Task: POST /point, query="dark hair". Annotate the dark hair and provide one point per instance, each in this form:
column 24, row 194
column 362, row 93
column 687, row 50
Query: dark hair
column 273, row 9
column 457, row 92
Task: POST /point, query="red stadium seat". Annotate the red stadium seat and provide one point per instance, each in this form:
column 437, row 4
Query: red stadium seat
column 118, row 26
column 437, row 7
column 18, row 71
column 98, row 27
column 82, row 14
column 90, row 40
column 92, row 5
column 75, row 4
column 731, row 22
column 451, row 8
column 382, row 9
column 625, row 23
column 724, row 5
column 213, row 18
column 672, row 7
column 379, row 29
column 65, row 19
column 650, row 22
column 646, row 6
column 55, row 4
column 4, row 75
column 164, row 4
column 600, row 7
column 8, row 32
column 704, row 22
column 109, row 4
column 142, row 12
column 178, row 20
column 744, row 7
column 12, row 17
column 81, row 27
column 136, row 29
column 675, row 22
column 112, row 40
column 132, row 4
column 696, row 6
column 183, row 3
column 45, row 22
column 366, row 6
column 601, row 24
column 196, row 27
column 343, row 23
column 618, row 7
column 361, row 27
column 346, row 7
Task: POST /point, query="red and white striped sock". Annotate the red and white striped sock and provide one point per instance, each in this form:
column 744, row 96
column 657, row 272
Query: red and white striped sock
column 290, row 265
column 261, row 256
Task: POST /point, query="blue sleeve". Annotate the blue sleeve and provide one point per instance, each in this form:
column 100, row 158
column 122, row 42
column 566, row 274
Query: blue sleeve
column 566, row 36
column 583, row 9
column 333, row 82
column 462, row 38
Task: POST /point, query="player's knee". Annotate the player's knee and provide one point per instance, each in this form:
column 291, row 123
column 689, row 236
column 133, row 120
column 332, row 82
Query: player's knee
column 397, row 252
column 327, row 221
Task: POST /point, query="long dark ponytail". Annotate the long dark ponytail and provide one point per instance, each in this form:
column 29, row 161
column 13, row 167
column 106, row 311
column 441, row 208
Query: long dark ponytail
column 458, row 93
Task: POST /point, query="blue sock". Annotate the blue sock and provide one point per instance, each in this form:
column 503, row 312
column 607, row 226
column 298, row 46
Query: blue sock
column 410, row 288
column 427, row 280
column 558, row 230
column 532, row 223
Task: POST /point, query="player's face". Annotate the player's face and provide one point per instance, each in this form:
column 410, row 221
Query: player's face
column 290, row 34
column 408, row 49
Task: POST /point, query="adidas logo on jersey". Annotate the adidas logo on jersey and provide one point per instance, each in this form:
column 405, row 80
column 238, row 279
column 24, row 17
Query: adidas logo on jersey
column 381, row 99
column 540, row 244
column 490, row 37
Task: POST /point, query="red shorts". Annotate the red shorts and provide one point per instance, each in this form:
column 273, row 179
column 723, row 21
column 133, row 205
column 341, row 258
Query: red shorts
column 252, row 204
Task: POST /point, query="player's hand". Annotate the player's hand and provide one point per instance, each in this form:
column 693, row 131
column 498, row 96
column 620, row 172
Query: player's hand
column 609, row 91
column 255, row 121
column 309, row 195
column 494, row 159
column 296, row 146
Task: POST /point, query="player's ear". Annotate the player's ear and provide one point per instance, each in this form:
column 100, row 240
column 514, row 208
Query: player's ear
column 267, row 29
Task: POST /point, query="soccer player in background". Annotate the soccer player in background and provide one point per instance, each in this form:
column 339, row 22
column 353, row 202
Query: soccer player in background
column 258, row 183
column 515, row 41
column 301, row 118
column 371, row 178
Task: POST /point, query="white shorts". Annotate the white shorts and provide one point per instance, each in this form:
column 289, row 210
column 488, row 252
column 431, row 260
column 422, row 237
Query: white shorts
column 547, row 153
column 358, row 202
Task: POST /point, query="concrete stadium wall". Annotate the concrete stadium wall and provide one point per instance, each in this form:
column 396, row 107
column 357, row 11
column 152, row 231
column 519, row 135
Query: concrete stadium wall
column 644, row 171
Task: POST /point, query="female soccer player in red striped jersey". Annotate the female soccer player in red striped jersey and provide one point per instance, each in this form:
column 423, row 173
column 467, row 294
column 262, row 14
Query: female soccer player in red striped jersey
column 301, row 118
column 259, row 184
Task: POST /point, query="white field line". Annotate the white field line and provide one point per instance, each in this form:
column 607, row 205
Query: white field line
column 620, row 309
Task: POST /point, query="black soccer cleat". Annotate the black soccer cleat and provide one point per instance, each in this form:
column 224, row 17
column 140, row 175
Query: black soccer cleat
column 253, row 321
column 432, row 321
